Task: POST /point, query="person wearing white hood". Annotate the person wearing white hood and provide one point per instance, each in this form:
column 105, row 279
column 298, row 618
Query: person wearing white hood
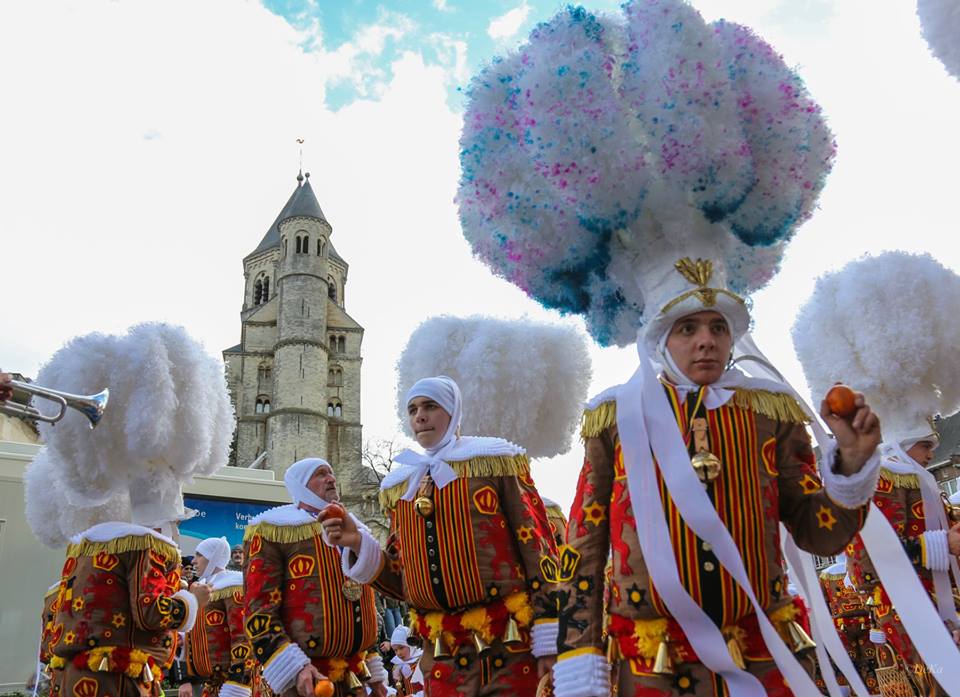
column 470, row 549
column 217, row 650
column 306, row 620
column 407, row 675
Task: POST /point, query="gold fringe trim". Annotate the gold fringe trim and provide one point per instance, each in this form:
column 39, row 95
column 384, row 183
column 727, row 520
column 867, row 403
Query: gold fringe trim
column 901, row 481
column 222, row 593
column 484, row 466
column 119, row 545
column 284, row 534
column 774, row 405
column 832, row 577
column 596, row 421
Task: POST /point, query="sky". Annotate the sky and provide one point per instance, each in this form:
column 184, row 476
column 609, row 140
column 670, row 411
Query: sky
column 145, row 148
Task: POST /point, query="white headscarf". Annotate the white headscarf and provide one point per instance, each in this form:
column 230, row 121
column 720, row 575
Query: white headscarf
column 217, row 552
column 296, row 478
column 450, row 448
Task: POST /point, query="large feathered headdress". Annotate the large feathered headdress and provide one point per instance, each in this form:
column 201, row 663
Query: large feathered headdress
column 940, row 22
column 881, row 324
column 523, row 381
column 605, row 150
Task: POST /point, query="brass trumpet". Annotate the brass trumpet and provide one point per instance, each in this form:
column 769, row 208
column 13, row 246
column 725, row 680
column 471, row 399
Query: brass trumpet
column 91, row 406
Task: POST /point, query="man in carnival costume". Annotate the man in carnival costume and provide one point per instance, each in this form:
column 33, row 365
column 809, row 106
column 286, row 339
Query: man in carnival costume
column 407, row 675
column 646, row 171
column 217, row 649
column 306, row 620
column 470, row 547
column 902, row 355
column 557, row 520
column 114, row 495
column 852, row 619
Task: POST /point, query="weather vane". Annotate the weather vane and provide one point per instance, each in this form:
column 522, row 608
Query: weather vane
column 300, row 143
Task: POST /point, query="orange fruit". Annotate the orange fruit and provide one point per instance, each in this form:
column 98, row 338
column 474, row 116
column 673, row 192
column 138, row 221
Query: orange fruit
column 333, row 510
column 841, row 400
column 323, row 688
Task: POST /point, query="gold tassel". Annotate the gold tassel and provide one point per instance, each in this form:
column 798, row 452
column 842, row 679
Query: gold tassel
column 596, row 421
column 801, row 640
column 773, row 405
column 283, row 534
column 119, row 545
column 222, row 593
column 733, row 646
column 487, row 466
column 663, row 665
column 900, row 481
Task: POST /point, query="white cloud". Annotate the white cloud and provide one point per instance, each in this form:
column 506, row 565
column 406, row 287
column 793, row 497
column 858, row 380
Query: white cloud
column 509, row 23
column 441, row 5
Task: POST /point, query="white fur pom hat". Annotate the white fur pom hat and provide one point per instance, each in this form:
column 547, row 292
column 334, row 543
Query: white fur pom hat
column 521, row 380
column 878, row 325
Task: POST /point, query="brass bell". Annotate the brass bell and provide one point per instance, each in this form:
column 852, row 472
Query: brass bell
column 364, row 671
column 511, row 636
column 800, row 639
column 440, row 648
column 480, row 645
column 733, row 646
column 663, row 665
column 104, row 664
column 353, row 682
column 707, row 466
column 147, row 673
column 424, row 506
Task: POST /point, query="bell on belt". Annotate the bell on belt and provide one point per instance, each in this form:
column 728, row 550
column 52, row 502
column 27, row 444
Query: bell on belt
column 733, row 646
column 663, row 665
column 800, row 639
column 707, row 466
column 511, row 636
column 424, row 506
column 440, row 649
column 480, row 645
column 104, row 664
column 353, row 682
column 364, row 671
column 147, row 673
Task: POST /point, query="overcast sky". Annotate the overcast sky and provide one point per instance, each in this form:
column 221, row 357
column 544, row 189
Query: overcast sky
column 145, row 148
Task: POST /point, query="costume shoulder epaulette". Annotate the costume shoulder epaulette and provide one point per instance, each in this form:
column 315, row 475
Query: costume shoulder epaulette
column 52, row 590
column 599, row 414
column 119, row 537
column 900, row 481
column 226, row 584
column 283, row 524
column 777, row 406
column 481, row 466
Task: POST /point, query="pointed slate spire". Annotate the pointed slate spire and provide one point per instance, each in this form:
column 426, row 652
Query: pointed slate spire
column 302, row 203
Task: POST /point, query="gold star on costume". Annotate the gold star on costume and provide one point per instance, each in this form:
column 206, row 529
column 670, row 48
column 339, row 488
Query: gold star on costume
column 596, row 513
column 809, row 484
column 275, row 596
column 118, row 620
column 524, row 534
column 825, row 518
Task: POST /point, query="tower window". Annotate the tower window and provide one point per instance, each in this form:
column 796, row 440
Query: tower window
column 332, row 289
column 335, row 377
column 329, row 408
column 319, row 248
column 284, row 248
column 337, row 410
column 341, row 345
column 299, row 242
column 257, row 291
column 263, row 405
column 266, row 289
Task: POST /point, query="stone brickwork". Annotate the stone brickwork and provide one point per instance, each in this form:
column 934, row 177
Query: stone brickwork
column 295, row 376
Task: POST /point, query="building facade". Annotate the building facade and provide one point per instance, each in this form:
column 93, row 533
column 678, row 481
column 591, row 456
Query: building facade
column 295, row 375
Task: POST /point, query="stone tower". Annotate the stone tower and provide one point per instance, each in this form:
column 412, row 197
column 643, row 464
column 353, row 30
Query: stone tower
column 295, row 375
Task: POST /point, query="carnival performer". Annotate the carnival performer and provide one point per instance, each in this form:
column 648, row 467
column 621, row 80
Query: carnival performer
column 407, row 675
column 470, row 547
column 905, row 361
column 307, row 622
column 115, row 495
column 853, row 621
column 557, row 520
column 217, row 649
column 646, row 171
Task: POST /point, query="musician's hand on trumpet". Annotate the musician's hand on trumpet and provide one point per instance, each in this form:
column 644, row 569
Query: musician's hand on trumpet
column 6, row 388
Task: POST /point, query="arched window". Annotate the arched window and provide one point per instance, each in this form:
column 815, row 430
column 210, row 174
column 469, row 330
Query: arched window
column 329, row 408
column 333, row 343
column 337, row 410
column 319, row 248
column 257, row 291
column 284, row 248
column 299, row 242
column 266, row 406
column 266, row 288
column 263, row 405
column 259, row 408
column 331, row 289
column 335, row 376
column 341, row 345
column 303, row 244
column 263, row 375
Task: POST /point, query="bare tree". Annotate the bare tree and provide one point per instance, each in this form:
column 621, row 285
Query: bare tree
column 378, row 454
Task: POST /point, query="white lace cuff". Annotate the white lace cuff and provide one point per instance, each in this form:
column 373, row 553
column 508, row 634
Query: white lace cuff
column 581, row 675
column 234, row 689
column 936, row 550
column 281, row 670
column 366, row 566
column 850, row 491
column 543, row 638
column 192, row 608
column 377, row 672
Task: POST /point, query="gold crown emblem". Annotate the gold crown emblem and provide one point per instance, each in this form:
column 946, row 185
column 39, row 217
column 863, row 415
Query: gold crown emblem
column 300, row 566
column 486, row 500
column 215, row 617
column 698, row 273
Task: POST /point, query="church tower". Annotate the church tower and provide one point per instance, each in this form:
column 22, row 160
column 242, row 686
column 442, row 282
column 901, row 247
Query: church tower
column 295, row 375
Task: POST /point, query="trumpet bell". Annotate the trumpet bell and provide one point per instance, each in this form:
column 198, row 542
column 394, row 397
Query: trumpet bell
column 92, row 406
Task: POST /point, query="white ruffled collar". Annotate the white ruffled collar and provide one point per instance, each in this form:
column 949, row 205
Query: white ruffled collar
column 413, row 463
column 288, row 514
column 226, row 579
column 104, row 532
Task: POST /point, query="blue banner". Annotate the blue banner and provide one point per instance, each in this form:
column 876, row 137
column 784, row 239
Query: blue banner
column 217, row 518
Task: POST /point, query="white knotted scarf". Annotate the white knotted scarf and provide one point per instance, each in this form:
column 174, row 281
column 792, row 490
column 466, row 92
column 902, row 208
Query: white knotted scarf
column 296, row 478
column 435, row 461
